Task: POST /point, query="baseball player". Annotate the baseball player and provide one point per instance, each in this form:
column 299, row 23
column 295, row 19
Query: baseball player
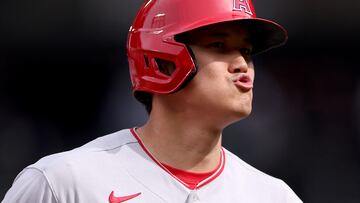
column 190, row 65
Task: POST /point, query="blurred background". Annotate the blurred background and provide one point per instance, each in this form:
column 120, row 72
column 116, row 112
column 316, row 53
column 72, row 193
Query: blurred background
column 64, row 81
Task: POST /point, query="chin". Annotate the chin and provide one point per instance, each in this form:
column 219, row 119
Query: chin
column 238, row 114
column 243, row 106
column 234, row 115
column 243, row 113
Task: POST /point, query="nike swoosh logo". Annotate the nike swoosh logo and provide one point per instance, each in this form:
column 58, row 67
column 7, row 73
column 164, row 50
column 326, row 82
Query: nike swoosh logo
column 113, row 199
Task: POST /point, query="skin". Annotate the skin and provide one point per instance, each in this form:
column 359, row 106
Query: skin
column 184, row 129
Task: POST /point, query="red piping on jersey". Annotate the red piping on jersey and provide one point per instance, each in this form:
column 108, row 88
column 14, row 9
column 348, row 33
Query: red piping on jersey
column 202, row 183
column 190, row 178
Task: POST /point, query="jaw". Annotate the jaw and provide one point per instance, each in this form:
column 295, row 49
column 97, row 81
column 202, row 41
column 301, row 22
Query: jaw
column 239, row 108
column 204, row 108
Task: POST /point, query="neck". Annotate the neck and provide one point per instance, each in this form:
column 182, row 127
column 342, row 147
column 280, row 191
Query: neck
column 181, row 141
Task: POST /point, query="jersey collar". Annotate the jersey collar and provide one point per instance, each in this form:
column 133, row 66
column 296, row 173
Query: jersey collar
column 158, row 163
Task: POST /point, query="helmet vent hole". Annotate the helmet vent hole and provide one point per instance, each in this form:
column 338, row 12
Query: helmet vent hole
column 146, row 59
column 166, row 67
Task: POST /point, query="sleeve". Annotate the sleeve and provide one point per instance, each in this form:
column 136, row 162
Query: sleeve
column 30, row 186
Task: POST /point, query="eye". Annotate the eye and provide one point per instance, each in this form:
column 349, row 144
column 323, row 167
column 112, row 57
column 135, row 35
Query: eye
column 245, row 51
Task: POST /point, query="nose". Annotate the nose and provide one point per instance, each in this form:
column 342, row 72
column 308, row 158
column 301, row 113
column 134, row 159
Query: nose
column 238, row 64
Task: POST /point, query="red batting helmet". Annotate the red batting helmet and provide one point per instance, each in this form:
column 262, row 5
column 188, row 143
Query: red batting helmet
column 151, row 38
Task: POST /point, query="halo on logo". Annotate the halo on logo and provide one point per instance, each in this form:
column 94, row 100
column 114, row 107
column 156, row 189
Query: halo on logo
column 242, row 5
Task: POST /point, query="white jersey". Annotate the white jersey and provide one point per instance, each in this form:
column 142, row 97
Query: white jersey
column 118, row 168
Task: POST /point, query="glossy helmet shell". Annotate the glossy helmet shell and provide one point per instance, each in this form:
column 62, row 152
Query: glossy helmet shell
column 151, row 38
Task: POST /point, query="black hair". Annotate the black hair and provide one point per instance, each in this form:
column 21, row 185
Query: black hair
column 145, row 98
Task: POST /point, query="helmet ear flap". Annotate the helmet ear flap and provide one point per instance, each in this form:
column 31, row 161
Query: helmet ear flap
column 193, row 73
column 165, row 67
column 161, row 70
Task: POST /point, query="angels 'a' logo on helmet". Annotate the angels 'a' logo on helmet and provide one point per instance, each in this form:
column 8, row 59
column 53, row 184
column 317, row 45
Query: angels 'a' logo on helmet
column 242, row 5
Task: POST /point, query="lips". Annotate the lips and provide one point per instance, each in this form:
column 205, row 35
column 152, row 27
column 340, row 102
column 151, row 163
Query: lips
column 244, row 82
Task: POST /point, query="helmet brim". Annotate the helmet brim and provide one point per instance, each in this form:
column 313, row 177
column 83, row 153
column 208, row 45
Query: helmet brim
column 265, row 34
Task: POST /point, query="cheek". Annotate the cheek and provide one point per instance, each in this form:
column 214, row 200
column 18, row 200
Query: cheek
column 214, row 88
column 213, row 77
column 213, row 70
column 206, row 86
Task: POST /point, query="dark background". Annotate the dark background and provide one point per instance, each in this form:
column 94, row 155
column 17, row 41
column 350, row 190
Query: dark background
column 64, row 81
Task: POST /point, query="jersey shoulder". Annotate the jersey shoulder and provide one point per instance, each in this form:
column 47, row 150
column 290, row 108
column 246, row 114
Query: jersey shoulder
column 258, row 182
column 238, row 164
column 96, row 160
column 101, row 146
column 88, row 173
column 30, row 186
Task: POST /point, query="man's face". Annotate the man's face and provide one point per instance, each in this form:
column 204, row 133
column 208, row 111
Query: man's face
column 222, row 88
